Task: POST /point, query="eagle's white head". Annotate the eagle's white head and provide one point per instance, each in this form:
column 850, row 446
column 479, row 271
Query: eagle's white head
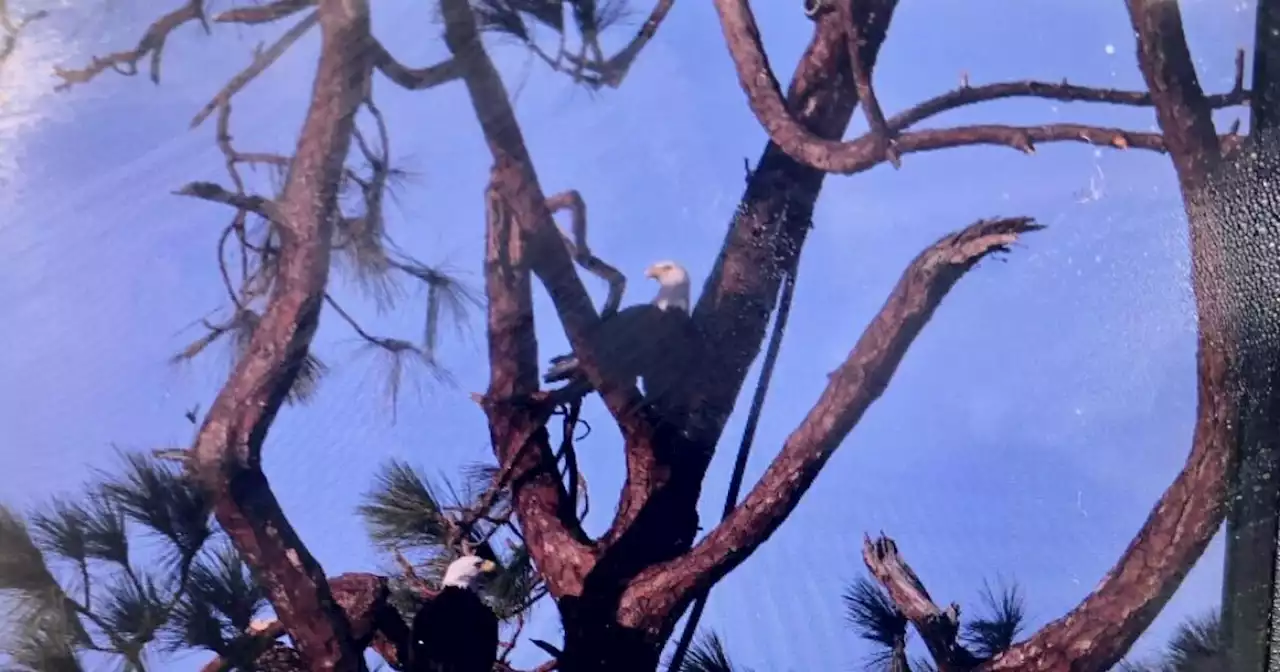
column 465, row 571
column 673, row 285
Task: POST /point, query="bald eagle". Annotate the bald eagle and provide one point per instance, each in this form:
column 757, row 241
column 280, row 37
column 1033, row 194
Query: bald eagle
column 650, row 341
column 455, row 631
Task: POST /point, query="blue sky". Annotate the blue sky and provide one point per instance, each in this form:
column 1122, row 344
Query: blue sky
column 1027, row 434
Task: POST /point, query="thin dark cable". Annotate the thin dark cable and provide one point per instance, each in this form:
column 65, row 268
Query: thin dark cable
column 744, row 449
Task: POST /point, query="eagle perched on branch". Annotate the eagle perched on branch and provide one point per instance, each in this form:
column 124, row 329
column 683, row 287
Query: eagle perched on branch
column 651, row 341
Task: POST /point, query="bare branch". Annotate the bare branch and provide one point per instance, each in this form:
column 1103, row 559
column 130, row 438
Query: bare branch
column 937, row 627
column 265, row 13
column 578, row 249
column 214, row 193
column 227, row 451
column 151, row 44
column 552, row 533
column 414, row 79
column 1096, row 633
column 850, row 391
column 613, row 71
column 261, row 61
column 879, row 131
column 766, row 101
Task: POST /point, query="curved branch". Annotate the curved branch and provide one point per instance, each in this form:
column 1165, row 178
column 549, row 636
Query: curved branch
column 580, row 252
column 765, row 98
column 413, row 79
column 853, row 387
column 1096, row 633
column 227, row 451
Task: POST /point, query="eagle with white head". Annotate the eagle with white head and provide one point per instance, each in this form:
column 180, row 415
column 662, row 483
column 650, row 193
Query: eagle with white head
column 650, row 341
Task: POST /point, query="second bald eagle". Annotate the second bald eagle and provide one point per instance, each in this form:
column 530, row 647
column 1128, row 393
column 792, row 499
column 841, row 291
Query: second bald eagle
column 651, row 341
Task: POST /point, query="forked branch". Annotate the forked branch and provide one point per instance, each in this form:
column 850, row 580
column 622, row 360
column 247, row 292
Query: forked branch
column 765, row 99
column 852, row 388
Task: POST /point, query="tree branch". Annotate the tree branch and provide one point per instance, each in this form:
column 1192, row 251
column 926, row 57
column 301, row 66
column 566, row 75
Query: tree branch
column 214, row 193
column 1105, row 624
column 413, row 79
column 265, row 13
column 756, row 77
column 852, row 388
column 227, row 451
column 152, row 44
column 261, row 61
column 937, row 627
column 552, row 532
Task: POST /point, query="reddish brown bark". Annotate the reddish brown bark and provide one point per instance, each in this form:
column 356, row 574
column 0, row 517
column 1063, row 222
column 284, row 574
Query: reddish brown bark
column 227, row 452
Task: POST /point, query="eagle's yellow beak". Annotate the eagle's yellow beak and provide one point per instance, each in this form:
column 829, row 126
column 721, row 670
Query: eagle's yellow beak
column 488, row 567
column 651, row 272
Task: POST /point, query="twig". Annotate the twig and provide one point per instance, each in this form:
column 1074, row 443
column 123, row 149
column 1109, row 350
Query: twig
column 578, row 249
column 261, row 61
column 152, row 43
column 423, row 587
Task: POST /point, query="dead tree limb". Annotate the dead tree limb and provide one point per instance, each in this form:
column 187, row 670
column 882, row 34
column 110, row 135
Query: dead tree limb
column 938, row 627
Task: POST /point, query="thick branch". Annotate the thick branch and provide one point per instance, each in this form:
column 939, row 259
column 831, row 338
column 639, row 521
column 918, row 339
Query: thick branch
column 852, row 388
column 1105, row 625
column 227, row 452
column 518, row 429
column 547, row 256
column 937, row 627
column 1182, row 110
column 261, row 61
column 756, row 77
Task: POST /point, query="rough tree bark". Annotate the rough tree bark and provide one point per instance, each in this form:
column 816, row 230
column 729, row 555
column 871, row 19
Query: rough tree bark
column 227, row 456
